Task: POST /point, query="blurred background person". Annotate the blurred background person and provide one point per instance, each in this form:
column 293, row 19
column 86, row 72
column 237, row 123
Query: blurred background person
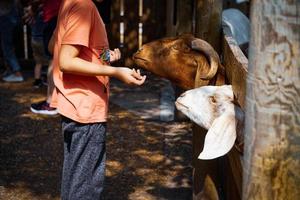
column 50, row 10
column 37, row 29
column 10, row 13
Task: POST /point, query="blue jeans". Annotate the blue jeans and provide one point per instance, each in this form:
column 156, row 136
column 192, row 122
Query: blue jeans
column 7, row 24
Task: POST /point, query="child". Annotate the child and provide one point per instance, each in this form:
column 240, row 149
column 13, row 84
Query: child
column 9, row 18
column 40, row 58
column 81, row 71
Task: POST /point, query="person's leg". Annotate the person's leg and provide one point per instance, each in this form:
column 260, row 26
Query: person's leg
column 48, row 31
column 37, row 83
column 8, row 50
column 43, row 107
column 37, row 71
column 7, row 70
column 39, row 56
column 50, row 82
column 84, row 160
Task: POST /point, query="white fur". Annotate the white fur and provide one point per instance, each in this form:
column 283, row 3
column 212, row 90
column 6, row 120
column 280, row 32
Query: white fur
column 212, row 108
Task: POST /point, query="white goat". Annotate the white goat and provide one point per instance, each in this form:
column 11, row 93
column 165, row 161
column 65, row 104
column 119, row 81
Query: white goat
column 212, row 108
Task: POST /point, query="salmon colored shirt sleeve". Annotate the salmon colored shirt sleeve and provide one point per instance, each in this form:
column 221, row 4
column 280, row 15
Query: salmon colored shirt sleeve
column 78, row 25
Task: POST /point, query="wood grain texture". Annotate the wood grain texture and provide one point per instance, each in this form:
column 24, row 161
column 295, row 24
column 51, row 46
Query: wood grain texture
column 131, row 24
column 234, row 174
column 184, row 17
column 206, row 176
column 236, row 68
column 170, row 25
column 208, row 21
column 113, row 30
column 207, row 182
column 272, row 130
column 153, row 19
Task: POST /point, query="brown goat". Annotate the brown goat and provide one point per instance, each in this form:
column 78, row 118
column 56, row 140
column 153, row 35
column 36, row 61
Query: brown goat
column 183, row 60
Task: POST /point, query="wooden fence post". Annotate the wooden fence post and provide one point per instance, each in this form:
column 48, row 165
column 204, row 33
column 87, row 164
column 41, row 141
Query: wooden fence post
column 184, row 16
column 272, row 129
column 152, row 19
column 208, row 21
column 170, row 18
column 179, row 17
column 206, row 178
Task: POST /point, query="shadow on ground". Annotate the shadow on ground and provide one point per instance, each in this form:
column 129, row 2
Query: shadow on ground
column 146, row 159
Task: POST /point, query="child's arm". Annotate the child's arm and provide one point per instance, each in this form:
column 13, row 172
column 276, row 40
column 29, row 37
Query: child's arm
column 69, row 62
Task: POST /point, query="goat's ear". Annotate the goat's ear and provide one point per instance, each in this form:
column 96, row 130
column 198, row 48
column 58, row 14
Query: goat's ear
column 198, row 78
column 220, row 137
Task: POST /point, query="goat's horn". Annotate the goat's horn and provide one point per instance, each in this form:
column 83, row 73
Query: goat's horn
column 211, row 54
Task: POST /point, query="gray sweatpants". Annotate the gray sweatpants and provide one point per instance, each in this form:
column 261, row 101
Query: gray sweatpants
column 84, row 160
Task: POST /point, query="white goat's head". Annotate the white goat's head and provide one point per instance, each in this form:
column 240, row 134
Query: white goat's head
column 212, row 108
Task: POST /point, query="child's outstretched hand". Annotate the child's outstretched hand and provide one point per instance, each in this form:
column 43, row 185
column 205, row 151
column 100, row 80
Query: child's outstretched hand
column 130, row 76
column 114, row 55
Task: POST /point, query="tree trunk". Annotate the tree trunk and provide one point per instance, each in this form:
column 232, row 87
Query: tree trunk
column 272, row 129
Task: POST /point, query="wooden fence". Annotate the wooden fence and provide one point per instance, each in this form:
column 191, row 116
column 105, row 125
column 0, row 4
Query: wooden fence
column 130, row 23
column 134, row 22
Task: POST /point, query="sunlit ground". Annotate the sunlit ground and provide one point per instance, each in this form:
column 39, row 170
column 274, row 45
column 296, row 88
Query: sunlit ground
column 146, row 159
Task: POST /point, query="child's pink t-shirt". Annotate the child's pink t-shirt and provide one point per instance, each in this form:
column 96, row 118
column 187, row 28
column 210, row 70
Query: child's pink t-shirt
column 81, row 98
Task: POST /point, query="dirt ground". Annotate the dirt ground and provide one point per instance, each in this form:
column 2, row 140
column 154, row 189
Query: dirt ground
column 146, row 159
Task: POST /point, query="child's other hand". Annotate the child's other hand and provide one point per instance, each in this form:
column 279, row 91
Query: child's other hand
column 130, row 76
column 114, row 55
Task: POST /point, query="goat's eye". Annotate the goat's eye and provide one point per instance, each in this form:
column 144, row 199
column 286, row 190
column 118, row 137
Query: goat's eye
column 212, row 99
column 186, row 49
column 176, row 47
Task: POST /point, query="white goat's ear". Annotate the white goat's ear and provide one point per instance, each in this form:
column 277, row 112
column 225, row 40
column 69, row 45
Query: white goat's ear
column 220, row 137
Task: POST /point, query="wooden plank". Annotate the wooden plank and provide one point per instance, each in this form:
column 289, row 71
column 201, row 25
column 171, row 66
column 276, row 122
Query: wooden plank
column 153, row 19
column 170, row 18
column 184, row 17
column 179, row 18
column 234, row 174
column 236, row 67
column 207, row 181
column 131, row 22
column 113, row 30
column 206, row 176
column 208, row 21
column 272, row 139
